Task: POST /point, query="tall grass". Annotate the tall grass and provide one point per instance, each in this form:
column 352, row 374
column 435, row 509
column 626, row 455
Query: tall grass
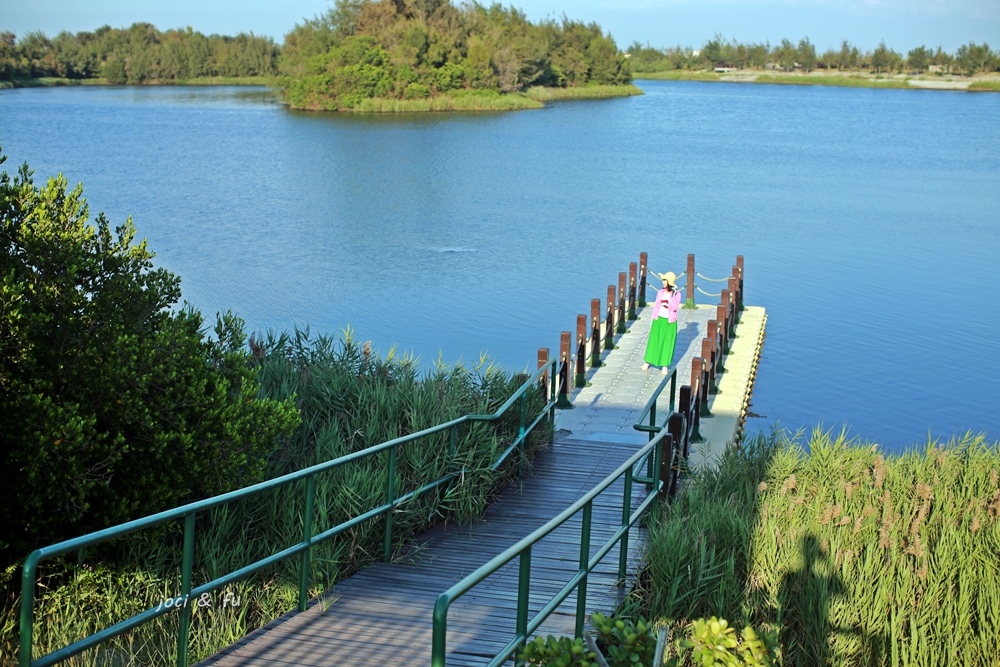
column 454, row 101
column 350, row 399
column 548, row 94
column 992, row 85
column 855, row 81
column 856, row 557
column 679, row 75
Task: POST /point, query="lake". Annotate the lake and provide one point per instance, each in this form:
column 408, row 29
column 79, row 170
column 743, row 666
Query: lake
column 869, row 221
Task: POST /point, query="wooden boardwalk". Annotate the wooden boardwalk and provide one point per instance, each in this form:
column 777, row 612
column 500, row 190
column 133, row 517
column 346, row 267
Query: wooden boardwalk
column 382, row 616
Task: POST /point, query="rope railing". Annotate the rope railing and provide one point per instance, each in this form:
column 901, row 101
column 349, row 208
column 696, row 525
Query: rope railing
column 714, row 280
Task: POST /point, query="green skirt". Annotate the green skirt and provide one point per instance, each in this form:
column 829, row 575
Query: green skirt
column 660, row 346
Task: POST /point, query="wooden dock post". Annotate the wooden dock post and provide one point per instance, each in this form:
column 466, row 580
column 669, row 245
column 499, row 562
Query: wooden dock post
column 581, row 351
column 620, row 316
column 609, row 327
column 739, row 277
column 595, row 333
column 708, row 354
column 699, row 378
column 564, row 371
column 631, row 290
column 722, row 316
column 689, row 302
column 543, row 380
column 643, row 268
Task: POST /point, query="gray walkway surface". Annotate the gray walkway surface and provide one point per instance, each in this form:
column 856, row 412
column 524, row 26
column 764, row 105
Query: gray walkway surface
column 383, row 615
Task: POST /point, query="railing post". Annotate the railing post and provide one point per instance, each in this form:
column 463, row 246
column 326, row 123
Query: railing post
column 620, row 316
column 631, row 290
column 564, row 372
column 739, row 265
column 734, row 298
column 595, row 333
column 306, row 537
column 686, row 405
column 699, row 374
column 643, row 268
column 626, row 515
column 689, row 302
column 522, row 410
column 676, row 427
column 708, row 354
column 665, row 456
column 722, row 331
column 187, row 565
column 609, row 326
column 523, row 590
column 543, row 380
column 581, row 351
column 390, row 498
column 581, row 589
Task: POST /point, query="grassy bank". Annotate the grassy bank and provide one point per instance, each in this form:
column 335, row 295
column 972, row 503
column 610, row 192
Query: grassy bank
column 855, row 557
column 349, row 400
column 45, row 82
column 678, row 75
column 481, row 100
column 855, row 81
column 544, row 94
column 991, row 85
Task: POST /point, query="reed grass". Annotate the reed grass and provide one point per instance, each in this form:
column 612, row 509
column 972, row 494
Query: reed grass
column 856, row 557
column 349, row 399
column 992, row 85
column 456, row 101
column 856, row 81
column 549, row 94
column 679, row 75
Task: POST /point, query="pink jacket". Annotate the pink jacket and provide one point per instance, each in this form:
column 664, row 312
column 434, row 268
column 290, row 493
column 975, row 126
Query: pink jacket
column 666, row 304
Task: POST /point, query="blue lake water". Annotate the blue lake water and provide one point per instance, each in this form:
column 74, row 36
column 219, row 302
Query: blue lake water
column 869, row 221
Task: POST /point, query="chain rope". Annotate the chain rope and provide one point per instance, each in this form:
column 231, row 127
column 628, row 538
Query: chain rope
column 707, row 293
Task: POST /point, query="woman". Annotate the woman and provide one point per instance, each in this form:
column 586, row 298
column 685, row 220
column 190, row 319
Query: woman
column 663, row 330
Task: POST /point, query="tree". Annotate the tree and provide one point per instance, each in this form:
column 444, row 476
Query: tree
column 881, row 58
column 112, row 404
column 806, row 54
column 918, row 59
column 973, row 58
column 849, row 56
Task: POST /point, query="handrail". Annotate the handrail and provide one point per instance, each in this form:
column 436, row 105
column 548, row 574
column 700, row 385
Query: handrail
column 188, row 513
column 650, row 407
column 522, row 550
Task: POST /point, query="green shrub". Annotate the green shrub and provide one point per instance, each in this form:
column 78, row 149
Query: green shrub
column 624, row 642
column 554, row 651
column 112, row 405
column 712, row 642
column 416, row 91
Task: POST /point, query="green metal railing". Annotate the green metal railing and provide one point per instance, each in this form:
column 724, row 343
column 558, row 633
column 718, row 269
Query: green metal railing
column 302, row 549
column 525, row 627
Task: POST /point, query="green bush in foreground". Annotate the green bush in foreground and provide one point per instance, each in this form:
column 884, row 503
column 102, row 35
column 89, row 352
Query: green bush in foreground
column 855, row 557
column 113, row 405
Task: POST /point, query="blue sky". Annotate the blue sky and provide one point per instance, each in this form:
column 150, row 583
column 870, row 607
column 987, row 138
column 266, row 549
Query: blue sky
column 903, row 24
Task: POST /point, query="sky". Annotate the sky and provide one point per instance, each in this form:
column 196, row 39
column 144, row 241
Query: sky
column 901, row 24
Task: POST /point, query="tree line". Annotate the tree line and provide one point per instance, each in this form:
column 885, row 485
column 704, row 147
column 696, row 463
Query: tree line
column 411, row 49
column 134, row 55
column 968, row 59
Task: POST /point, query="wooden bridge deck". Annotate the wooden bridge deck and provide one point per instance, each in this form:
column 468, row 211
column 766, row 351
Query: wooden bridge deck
column 382, row 615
